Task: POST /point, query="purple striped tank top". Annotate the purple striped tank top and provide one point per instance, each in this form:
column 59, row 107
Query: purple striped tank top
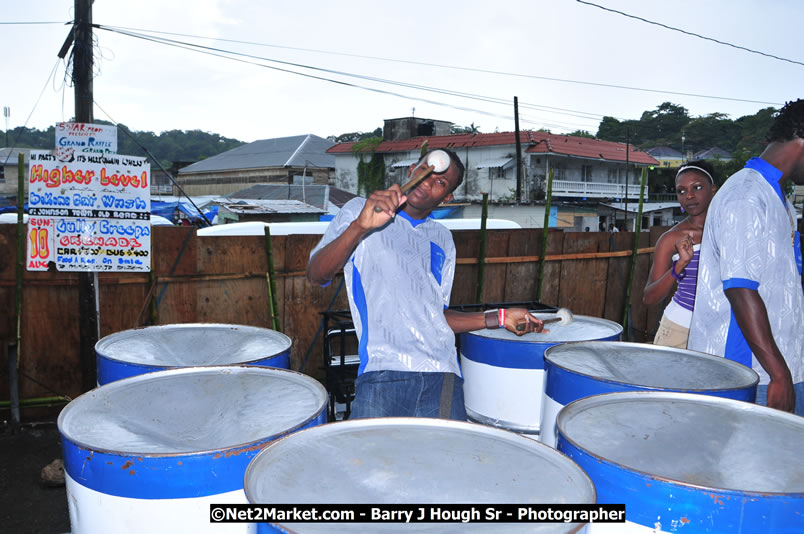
column 685, row 293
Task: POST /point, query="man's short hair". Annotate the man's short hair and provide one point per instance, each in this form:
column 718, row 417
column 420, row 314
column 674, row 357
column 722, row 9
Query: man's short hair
column 454, row 161
column 789, row 123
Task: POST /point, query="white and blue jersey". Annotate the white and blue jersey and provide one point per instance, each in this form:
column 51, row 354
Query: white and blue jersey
column 399, row 280
column 749, row 242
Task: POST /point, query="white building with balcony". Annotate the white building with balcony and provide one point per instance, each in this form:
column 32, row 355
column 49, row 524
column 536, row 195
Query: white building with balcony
column 583, row 169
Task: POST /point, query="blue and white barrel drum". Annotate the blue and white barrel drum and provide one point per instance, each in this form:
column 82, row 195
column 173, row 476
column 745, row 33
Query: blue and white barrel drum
column 689, row 463
column 150, row 453
column 504, row 373
column 398, row 460
column 577, row 370
column 157, row 348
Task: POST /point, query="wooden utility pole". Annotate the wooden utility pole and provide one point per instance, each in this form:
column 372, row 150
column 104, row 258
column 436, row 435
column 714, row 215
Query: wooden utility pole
column 518, row 153
column 87, row 286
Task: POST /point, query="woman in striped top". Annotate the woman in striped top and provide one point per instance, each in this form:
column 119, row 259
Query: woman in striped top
column 675, row 259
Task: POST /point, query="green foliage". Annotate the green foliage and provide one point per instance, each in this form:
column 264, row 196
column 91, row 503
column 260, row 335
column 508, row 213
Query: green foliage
column 471, row 129
column 582, row 133
column 167, row 147
column 352, row 137
column 665, row 126
column 370, row 174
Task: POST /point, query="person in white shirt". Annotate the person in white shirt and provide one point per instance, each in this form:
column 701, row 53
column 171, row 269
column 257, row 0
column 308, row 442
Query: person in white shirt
column 749, row 305
column 399, row 266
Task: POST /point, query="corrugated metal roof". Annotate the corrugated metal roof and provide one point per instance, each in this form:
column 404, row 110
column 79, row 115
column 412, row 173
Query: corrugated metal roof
column 295, row 151
column 712, row 153
column 251, row 206
column 315, row 194
column 633, row 206
column 536, row 142
column 499, row 162
column 664, row 152
column 10, row 156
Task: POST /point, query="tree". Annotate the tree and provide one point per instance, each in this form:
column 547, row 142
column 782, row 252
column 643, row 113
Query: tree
column 354, row 137
column 713, row 130
column 582, row 133
column 471, row 129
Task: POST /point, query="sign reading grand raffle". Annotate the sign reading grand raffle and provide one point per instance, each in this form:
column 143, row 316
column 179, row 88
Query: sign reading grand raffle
column 89, row 214
column 80, row 138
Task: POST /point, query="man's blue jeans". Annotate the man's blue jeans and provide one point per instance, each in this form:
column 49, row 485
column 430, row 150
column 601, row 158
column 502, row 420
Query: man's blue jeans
column 762, row 397
column 407, row 394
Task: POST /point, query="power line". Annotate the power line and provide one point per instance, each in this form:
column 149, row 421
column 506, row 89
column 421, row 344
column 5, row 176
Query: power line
column 222, row 53
column 453, row 67
column 36, row 104
column 692, row 34
column 30, row 23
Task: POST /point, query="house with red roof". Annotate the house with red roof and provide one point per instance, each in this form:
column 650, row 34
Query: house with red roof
column 583, row 169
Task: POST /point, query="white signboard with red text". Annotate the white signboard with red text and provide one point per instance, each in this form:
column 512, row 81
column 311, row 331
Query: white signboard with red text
column 89, row 214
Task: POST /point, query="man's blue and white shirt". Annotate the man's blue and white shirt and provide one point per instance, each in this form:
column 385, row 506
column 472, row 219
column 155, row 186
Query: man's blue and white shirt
column 399, row 280
column 748, row 243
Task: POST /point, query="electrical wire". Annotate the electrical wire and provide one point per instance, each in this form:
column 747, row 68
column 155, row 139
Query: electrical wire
column 226, row 54
column 153, row 158
column 36, row 104
column 221, row 53
column 453, row 67
column 738, row 47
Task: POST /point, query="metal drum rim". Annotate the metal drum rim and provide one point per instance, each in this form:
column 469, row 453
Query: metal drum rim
column 621, row 396
column 316, row 385
column 420, row 422
column 657, row 348
column 122, row 334
column 617, row 331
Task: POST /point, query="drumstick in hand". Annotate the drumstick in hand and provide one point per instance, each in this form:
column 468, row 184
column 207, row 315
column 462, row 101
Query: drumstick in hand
column 423, row 173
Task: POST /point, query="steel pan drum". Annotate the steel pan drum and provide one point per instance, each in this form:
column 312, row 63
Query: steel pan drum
column 504, row 373
column 150, row 453
column 689, row 463
column 156, row 348
column 413, row 461
column 577, row 370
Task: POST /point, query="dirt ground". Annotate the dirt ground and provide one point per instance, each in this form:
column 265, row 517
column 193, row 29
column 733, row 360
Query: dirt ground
column 26, row 504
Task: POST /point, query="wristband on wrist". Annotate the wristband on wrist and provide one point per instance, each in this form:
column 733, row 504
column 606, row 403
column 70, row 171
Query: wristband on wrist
column 677, row 276
column 491, row 318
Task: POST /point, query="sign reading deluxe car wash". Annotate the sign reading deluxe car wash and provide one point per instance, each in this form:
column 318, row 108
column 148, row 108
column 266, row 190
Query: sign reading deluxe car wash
column 89, row 213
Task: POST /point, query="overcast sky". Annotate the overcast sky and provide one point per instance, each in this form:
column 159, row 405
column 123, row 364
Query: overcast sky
column 443, row 45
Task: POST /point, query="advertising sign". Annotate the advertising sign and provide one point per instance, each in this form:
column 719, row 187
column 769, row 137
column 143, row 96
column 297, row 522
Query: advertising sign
column 89, row 214
column 81, row 138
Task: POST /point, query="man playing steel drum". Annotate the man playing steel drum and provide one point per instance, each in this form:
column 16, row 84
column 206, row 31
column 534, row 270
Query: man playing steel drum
column 399, row 266
column 749, row 305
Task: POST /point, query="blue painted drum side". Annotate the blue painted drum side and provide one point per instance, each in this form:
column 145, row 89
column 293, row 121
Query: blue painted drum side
column 183, row 433
column 514, row 353
column 175, row 476
column 507, row 353
column 110, row 369
column 157, row 348
column 564, row 387
column 684, row 508
column 689, row 463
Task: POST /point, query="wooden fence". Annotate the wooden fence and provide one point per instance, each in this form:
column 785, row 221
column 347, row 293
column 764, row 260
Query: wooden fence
column 223, row 280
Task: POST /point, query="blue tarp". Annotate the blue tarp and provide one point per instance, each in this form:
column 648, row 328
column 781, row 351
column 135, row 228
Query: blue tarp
column 168, row 210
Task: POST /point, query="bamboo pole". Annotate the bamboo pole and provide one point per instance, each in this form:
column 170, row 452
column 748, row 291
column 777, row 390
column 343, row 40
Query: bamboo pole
column 15, row 349
column 482, row 256
column 545, row 229
column 271, row 280
column 20, row 248
column 637, row 231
